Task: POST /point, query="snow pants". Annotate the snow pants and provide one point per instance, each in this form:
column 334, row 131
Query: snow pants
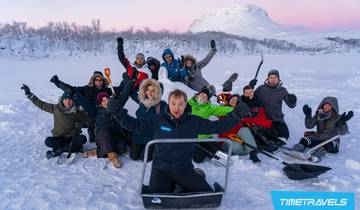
column 189, row 181
column 239, row 149
column 108, row 140
column 63, row 143
column 137, row 151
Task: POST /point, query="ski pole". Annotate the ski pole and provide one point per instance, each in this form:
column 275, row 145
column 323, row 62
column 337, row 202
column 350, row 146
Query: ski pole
column 107, row 75
column 260, row 64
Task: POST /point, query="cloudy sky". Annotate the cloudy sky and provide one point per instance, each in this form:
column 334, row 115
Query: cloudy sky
column 316, row 15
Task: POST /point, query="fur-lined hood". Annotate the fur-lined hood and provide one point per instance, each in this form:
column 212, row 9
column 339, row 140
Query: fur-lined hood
column 190, row 57
column 142, row 92
column 93, row 77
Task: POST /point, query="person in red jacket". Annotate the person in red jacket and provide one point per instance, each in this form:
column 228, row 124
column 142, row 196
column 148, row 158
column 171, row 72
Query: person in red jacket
column 138, row 71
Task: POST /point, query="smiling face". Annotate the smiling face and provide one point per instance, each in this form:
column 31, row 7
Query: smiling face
column 233, row 101
column 99, row 82
column 140, row 60
column 68, row 103
column 177, row 106
column 105, row 102
column 168, row 58
column 327, row 107
column 273, row 80
column 189, row 63
column 202, row 98
column 150, row 92
column 249, row 93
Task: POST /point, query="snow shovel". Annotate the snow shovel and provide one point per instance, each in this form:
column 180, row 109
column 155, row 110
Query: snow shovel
column 294, row 171
column 219, row 158
column 107, row 75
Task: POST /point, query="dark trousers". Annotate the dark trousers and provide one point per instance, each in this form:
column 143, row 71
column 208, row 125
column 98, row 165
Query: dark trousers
column 278, row 129
column 63, row 143
column 199, row 155
column 189, row 181
column 109, row 141
column 137, row 151
column 91, row 130
column 310, row 142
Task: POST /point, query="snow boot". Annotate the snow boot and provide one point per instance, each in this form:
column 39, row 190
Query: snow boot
column 114, row 159
column 89, row 153
column 253, row 157
column 53, row 153
column 298, row 148
column 200, row 172
column 318, row 154
column 227, row 86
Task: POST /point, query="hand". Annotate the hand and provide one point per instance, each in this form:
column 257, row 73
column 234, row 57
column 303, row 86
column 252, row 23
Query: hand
column 346, row 117
column 54, row 79
column 292, row 98
column 241, row 110
column 213, row 44
column 253, row 82
column 26, row 89
column 307, row 111
column 120, row 41
column 182, row 61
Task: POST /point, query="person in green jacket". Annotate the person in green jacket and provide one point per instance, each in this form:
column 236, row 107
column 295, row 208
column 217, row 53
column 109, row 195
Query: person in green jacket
column 65, row 115
column 202, row 107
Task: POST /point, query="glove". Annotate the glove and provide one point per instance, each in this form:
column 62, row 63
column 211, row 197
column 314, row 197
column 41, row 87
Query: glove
column 346, row 117
column 26, row 89
column 213, row 44
column 182, row 61
column 54, row 79
column 307, row 111
column 253, row 82
column 292, row 98
column 120, row 43
column 241, row 110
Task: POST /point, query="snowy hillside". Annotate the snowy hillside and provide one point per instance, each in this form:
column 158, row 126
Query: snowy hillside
column 29, row 181
column 240, row 19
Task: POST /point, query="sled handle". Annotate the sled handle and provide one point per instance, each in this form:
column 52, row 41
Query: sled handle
column 162, row 141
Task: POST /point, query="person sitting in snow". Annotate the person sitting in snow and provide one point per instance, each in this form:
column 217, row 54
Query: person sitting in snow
column 110, row 138
column 202, row 107
column 172, row 163
column 137, row 72
column 150, row 93
column 65, row 115
column 97, row 84
column 328, row 122
column 271, row 95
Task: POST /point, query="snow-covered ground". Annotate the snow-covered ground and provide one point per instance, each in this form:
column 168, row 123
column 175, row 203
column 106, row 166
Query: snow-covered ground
column 29, row 181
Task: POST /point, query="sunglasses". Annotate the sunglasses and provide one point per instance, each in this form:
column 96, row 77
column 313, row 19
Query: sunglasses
column 167, row 56
column 99, row 79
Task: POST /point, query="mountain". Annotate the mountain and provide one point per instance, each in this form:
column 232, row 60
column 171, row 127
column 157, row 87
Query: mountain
column 241, row 19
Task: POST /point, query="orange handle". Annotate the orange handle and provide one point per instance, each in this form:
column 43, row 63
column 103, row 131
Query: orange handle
column 236, row 138
column 107, row 74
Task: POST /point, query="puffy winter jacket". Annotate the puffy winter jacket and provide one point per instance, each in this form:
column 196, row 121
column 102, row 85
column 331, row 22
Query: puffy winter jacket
column 207, row 110
column 174, row 157
column 271, row 98
column 174, row 72
column 326, row 128
column 64, row 119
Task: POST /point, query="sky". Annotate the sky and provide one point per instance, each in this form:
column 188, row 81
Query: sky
column 315, row 15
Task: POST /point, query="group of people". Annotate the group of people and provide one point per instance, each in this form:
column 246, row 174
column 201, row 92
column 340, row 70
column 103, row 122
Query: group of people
column 255, row 116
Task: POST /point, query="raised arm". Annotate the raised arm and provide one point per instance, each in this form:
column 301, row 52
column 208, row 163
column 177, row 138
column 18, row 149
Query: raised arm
column 202, row 63
column 290, row 99
column 121, row 117
column 47, row 107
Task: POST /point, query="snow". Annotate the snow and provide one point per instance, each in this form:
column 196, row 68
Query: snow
column 29, row 181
